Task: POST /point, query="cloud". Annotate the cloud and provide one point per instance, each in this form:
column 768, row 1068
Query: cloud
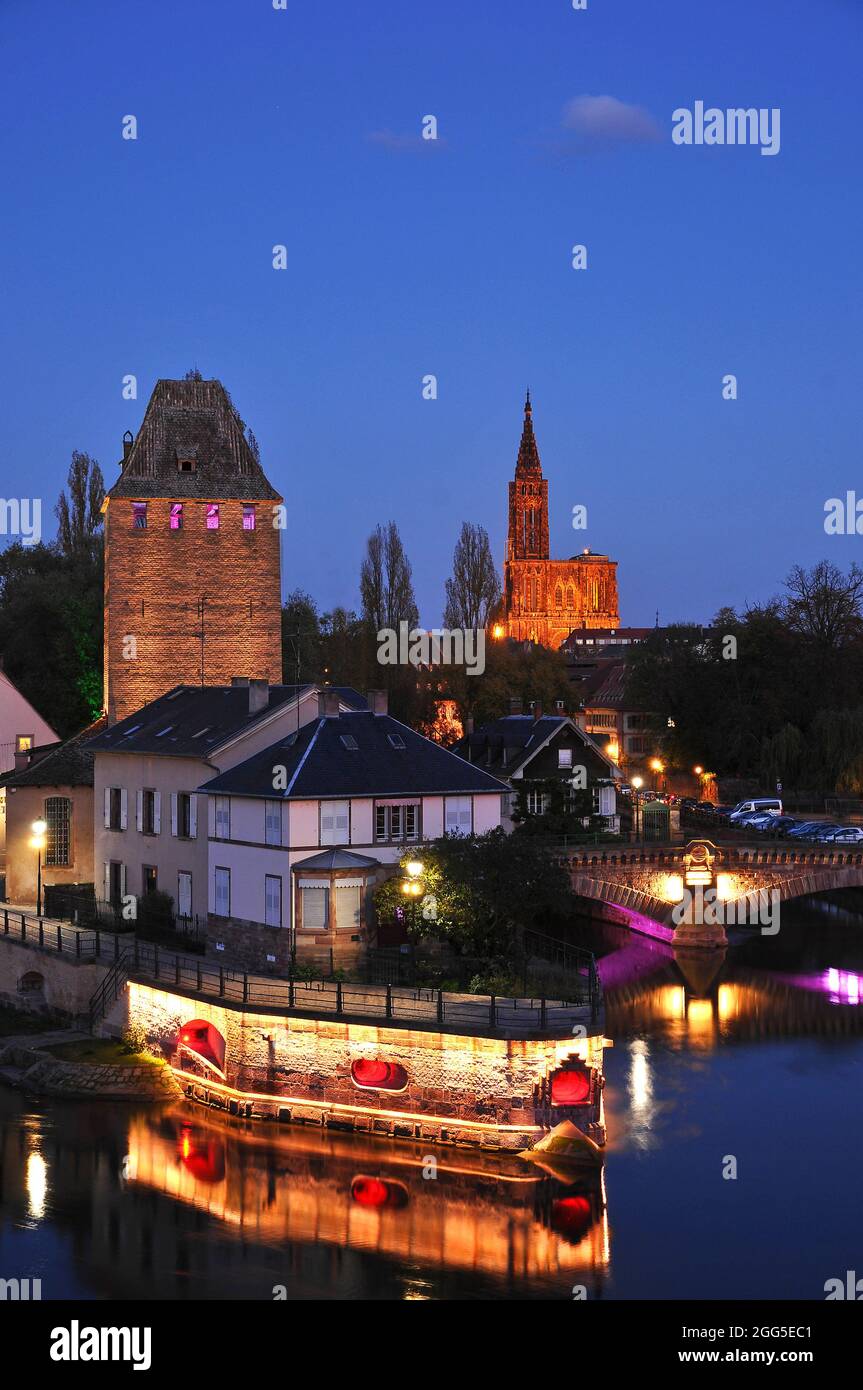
column 401, row 144
column 602, row 122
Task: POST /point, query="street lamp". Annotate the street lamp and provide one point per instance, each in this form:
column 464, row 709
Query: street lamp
column 40, row 830
column 637, row 784
column 656, row 765
column 413, row 885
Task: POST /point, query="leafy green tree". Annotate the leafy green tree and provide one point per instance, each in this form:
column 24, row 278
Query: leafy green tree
column 479, row 892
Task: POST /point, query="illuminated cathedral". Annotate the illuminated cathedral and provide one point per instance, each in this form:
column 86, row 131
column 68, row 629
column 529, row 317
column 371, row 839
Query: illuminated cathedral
column 544, row 599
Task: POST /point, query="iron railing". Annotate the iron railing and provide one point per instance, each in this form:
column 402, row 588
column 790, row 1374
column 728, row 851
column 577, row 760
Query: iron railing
column 146, row 961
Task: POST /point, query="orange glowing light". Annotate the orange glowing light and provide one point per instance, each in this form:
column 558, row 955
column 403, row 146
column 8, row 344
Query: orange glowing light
column 498, row 631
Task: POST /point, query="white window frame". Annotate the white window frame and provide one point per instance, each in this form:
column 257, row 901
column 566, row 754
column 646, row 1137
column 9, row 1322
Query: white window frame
column 331, row 831
column 225, row 884
column 222, row 817
column 458, row 815
column 268, row 915
column 272, row 822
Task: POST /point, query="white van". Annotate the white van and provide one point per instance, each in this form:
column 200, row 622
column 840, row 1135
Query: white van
column 759, row 805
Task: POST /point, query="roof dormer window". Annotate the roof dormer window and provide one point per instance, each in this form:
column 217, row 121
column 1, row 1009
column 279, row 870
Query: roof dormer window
column 187, row 459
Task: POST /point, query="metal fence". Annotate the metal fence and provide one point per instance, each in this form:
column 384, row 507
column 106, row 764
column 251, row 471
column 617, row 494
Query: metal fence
column 146, row 961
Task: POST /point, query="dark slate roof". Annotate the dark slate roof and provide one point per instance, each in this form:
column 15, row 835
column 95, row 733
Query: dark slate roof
column 336, row 859
column 606, row 687
column 521, row 737
column 191, row 720
column 317, row 764
column 67, row 764
column 192, row 419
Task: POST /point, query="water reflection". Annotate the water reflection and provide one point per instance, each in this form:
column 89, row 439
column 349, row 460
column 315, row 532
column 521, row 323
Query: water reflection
column 173, row 1202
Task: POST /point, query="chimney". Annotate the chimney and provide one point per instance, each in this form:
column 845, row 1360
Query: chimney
column 22, row 759
column 515, row 704
column 259, row 695
column 328, row 704
column 468, row 724
column 537, row 709
column 378, row 701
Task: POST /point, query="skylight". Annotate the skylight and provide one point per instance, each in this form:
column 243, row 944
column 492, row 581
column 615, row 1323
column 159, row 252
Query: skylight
column 396, row 740
column 127, row 732
column 200, row 732
column 349, row 741
column 166, row 730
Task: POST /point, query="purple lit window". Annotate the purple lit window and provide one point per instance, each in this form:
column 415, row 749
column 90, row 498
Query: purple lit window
column 248, row 518
column 176, row 516
column 213, row 517
column 139, row 516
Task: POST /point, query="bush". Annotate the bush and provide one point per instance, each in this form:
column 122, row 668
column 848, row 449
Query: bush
column 134, row 1039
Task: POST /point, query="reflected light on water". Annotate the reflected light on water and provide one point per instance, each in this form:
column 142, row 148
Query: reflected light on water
column 37, row 1185
column 640, row 1082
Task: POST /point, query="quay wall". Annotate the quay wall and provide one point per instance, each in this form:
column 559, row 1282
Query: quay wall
column 469, row 1089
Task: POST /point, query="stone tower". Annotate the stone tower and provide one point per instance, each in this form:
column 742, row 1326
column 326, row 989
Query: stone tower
column 545, row 599
column 192, row 573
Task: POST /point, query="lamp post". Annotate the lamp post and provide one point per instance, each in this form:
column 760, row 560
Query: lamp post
column 40, row 829
column 657, row 767
column 637, row 784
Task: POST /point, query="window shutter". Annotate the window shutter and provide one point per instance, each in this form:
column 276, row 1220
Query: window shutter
column 464, row 816
column 107, row 880
column 122, row 880
column 193, row 816
column 173, row 813
column 139, row 810
column 157, row 812
column 124, row 808
column 107, row 808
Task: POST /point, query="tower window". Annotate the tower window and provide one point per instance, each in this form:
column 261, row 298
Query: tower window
column 176, row 516
column 213, row 516
column 248, row 517
column 139, row 516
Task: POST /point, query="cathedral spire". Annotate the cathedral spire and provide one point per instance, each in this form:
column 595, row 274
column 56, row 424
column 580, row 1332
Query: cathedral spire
column 528, row 454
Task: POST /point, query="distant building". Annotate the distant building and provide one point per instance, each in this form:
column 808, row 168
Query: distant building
column 527, row 751
column 545, row 599
column 192, row 579
column 54, row 784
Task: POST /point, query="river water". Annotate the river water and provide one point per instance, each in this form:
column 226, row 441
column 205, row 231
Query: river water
column 749, row 1061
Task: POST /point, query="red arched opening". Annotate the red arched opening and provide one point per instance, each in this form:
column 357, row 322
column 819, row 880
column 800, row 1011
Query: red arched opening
column 204, row 1041
column 204, row 1158
column 370, row 1074
column 571, row 1217
column 378, row 1193
column 571, row 1085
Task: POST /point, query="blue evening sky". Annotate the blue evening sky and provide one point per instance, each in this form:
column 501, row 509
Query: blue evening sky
column 302, row 127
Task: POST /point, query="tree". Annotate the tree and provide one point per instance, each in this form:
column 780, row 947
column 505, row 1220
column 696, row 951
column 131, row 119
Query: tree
column 79, row 515
column 480, row 891
column 386, row 587
column 474, row 589
column 51, row 631
column 301, row 639
column 825, row 605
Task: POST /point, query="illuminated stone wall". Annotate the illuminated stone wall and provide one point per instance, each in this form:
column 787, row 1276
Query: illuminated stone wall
column 468, row 1089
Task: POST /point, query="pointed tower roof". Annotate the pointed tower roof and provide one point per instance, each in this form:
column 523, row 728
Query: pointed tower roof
column 528, row 453
column 195, row 420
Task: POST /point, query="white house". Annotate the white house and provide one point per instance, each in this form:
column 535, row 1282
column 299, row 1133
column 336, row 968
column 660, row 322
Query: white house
column 150, row 828
column 301, row 832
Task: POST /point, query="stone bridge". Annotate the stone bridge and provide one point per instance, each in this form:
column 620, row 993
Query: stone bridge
column 645, row 887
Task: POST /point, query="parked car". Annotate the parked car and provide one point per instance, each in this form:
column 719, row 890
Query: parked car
column 756, row 804
column 774, row 825
column 826, row 832
column 848, row 835
column 803, row 828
